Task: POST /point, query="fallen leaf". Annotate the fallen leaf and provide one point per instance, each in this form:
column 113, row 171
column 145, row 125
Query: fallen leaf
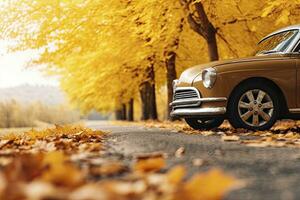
column 212, row 185
column 120, row 190
column 24, row 168
column 179, row 152
column 198, row 162
column 90, row 191
column 41, row 145
column 176, row 174
column 3, row 143
column 151, row 155
column 149, row 165
column 230, row 138
column 255, row 144
column 43, row 190
column 60, row 172
column 108, row 169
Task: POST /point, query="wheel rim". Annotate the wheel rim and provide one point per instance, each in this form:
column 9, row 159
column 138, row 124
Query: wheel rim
column 255, row 108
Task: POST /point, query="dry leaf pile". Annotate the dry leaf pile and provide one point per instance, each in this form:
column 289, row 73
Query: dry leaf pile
column 70, row 140
column 53, row 176
column 283, row 134
column 68, row 163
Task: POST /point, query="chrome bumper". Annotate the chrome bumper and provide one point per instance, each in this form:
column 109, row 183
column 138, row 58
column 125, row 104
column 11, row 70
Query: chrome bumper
column 192, row 112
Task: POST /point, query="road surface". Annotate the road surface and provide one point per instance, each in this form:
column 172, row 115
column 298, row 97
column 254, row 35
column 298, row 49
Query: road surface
column 270, row 173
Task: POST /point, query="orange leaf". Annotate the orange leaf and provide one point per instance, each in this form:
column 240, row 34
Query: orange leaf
column 150, row 165
column 60, row 172
column 176, row 174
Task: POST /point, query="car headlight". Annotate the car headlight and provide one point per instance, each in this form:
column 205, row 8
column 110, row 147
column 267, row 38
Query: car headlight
column 209, row 77
column 175, row 82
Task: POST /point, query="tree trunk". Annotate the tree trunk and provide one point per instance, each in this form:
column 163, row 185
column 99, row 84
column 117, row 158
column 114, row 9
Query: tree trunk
column 118, row 114
column 124, row 111
column 145, row 100
column 152, row 94
column 130, row 116
column 153, row 109
column 201, row 25
column 121, row 113
column 213, row 47
column 171, row 76
column 148, row 96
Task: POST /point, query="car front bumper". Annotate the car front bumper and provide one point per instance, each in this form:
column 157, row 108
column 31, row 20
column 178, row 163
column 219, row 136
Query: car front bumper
column 184, row 106
column 198, row 112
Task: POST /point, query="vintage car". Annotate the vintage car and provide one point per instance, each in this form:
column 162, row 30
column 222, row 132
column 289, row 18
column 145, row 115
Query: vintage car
column 252, row 93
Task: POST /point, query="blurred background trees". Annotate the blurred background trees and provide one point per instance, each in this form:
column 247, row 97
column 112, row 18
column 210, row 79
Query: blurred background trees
column 15, row 114
column 122, row 56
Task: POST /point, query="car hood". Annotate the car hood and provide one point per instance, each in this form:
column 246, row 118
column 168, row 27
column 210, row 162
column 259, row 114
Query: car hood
column 248, row 59
column 190, row 74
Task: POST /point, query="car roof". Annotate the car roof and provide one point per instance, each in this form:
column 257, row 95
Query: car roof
column 293, row 27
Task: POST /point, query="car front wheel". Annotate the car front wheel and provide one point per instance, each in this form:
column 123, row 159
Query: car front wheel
column 254, row 106
column 204, row 123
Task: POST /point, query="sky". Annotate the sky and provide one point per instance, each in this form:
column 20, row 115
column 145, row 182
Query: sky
column 13, row 70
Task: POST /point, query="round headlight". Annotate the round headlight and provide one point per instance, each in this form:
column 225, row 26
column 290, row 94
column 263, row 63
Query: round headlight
column 175, row 82
column 209, row 77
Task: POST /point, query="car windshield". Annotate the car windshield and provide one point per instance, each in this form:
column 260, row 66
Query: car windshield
column 276, row 43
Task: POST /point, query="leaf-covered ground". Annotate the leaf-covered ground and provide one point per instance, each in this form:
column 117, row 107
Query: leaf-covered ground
column 285, row 133
column 70, row 163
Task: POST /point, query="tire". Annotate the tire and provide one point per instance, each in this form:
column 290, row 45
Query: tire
column 204, row 123
column 258, row 111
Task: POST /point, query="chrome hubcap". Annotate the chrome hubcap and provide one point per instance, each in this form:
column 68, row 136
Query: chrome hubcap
column 255, row 108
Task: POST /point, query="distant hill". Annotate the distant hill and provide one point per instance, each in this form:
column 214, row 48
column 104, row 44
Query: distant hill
column 28, row 94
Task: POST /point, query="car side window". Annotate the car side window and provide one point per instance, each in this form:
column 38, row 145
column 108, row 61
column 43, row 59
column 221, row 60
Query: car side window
column 297, row 49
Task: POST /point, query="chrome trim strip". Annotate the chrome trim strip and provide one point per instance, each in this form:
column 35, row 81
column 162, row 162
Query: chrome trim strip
column 294, row 110
column 197, row 101
column 188, row 112
column 213, row 99
column 194, row 101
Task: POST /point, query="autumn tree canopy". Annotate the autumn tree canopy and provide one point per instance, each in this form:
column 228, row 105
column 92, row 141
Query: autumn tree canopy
column 111, row 52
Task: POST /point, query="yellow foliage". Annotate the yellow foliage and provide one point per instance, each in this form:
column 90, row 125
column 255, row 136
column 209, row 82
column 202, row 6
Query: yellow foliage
column 102, row 49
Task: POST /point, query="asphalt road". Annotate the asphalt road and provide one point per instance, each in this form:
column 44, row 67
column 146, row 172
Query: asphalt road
column 270, row 173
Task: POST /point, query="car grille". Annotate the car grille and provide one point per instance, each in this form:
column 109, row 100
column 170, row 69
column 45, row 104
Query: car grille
column 186, row 94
